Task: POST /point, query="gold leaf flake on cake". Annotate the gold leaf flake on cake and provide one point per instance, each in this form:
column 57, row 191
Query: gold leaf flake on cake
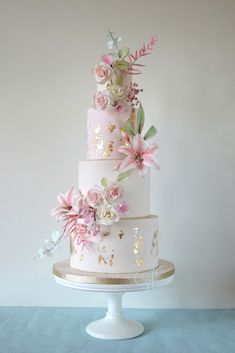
column 99, row 145
column 138, row 244
column 121, row 234
column 138, row 247
column 106, row 154
column 103, row 257
column 81, row 257
column 98, row 141
column 139, row 262
column 154, row 249
column 105, row 234
column 111, row 260
column 111, row 128
column 97, row 129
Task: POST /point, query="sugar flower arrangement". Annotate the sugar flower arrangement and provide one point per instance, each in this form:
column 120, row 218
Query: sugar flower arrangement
column 85, row 216
column 114, row 71
column 138, row 154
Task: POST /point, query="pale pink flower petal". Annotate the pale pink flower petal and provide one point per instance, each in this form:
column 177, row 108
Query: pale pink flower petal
column 127, row 164
column 70, row 196
column 62, row 198
column 126, row 139
column 142, row 170
column 116, row 168
column 150, row 161
column 127, row 150
column 152, row 149
column 139, row 144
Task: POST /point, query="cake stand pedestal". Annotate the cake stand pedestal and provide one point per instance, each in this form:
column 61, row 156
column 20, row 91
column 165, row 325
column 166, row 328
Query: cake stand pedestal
column 114, row 325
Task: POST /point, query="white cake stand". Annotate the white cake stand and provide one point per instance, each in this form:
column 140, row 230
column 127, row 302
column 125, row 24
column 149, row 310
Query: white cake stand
column 114, row 326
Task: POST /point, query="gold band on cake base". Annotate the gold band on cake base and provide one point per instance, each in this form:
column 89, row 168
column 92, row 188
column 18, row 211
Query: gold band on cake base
column 63, row 270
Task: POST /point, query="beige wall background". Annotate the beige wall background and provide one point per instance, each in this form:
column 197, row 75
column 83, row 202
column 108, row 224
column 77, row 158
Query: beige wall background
column 47, row 51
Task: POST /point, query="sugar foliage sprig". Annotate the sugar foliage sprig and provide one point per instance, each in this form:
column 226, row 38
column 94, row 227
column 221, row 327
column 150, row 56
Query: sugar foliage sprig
column 146, row 49
column 133, row 127
column 113, row 42
column 49, row 245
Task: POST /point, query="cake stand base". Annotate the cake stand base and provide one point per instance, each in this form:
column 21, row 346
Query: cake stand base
column 114, row 326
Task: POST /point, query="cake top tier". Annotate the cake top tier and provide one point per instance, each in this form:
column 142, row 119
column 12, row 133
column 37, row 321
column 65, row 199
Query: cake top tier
column 117, row 114
column 114, row 75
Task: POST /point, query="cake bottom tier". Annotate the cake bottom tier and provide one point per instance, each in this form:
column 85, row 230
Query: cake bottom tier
column 131, row 245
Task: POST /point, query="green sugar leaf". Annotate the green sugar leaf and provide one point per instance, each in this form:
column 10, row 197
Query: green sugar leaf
column 122, row 65
column 140, row 119
column 123, row 52
column 129, row 128
column 122, row 177
column 104, row 182
column 150, row 133
column 119, row 81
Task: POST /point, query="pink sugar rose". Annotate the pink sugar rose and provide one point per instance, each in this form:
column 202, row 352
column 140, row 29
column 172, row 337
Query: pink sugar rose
column 107, row 59
column 101, row 101
column 119, row 108
column 122, row 208
column 114, row 193
column 95, row 197
column 102, row 72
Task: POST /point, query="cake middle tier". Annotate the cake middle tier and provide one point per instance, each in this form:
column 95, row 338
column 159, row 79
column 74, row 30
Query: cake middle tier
column 136, row 188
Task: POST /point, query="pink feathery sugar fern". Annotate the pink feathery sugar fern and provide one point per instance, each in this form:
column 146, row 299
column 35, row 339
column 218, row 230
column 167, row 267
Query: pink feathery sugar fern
column 81, row 235
column 146, row 49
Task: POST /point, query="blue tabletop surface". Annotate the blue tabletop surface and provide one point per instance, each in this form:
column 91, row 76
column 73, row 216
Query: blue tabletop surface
column 62, row 330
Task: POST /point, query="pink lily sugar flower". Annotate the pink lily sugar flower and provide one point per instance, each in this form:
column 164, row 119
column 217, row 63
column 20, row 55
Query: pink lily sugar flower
column 139, row 156
column 67, row 204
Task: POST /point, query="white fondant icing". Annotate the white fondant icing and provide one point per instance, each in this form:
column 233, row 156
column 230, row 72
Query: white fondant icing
column 136, row 188
column 130, row 246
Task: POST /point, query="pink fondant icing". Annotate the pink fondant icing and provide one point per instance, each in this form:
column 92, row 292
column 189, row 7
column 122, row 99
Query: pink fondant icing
column 104, row 133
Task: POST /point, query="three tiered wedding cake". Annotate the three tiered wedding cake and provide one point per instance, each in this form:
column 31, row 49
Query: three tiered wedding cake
column 108, row 221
